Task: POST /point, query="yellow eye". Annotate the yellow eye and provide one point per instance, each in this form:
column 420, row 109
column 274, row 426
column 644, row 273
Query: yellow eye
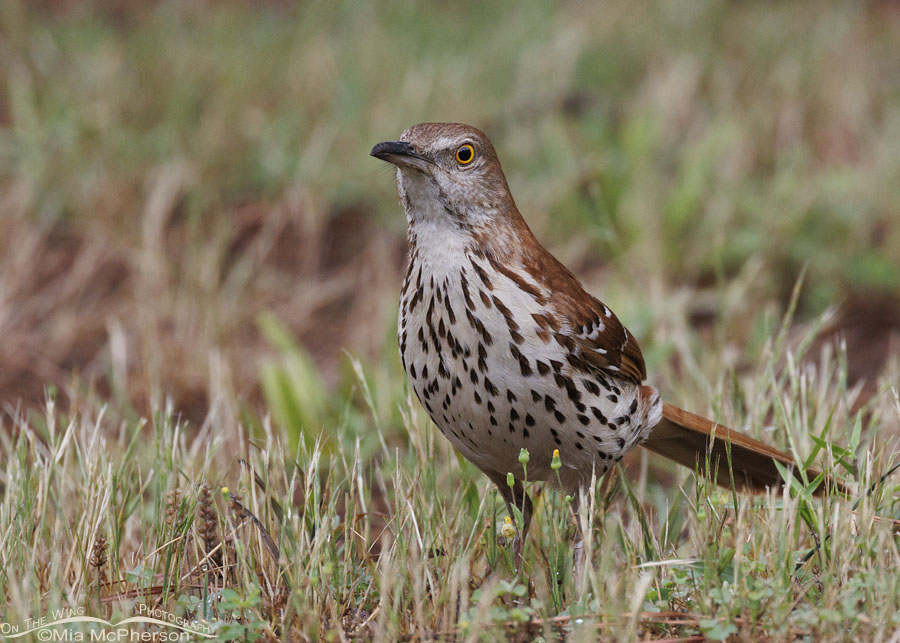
column 465, row 154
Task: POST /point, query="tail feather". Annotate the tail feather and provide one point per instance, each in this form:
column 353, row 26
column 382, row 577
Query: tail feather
column 684, row 438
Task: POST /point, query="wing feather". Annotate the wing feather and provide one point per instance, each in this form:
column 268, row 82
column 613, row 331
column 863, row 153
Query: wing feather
column 594, row 337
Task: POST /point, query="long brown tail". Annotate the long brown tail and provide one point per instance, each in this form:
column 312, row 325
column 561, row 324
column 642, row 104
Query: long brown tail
column 685, row 438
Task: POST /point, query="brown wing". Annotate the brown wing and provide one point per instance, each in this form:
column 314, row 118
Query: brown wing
column 597, row 339
column 602, row 342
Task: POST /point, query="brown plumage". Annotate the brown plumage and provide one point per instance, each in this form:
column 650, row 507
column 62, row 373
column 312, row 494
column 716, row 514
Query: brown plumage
column 686, row 438
column 505, row 349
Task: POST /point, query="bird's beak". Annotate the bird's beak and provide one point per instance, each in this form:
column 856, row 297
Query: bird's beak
column 402, row 154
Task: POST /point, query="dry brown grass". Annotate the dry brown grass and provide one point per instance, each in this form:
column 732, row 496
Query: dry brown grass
column 169, row 171
column 143, row 231
column 121, row 316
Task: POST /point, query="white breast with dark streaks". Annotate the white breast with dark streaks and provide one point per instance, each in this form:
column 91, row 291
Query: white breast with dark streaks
column 492, row 384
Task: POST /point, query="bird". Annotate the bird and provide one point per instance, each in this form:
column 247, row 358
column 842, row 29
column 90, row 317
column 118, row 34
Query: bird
column 506, row 350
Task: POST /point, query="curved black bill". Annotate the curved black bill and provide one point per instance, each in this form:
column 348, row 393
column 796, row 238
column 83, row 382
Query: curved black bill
column 403, row 155
column 392, row 148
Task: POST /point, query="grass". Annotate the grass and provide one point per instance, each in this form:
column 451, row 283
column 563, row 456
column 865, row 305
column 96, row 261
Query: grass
column 199, row 271
column 390, row 535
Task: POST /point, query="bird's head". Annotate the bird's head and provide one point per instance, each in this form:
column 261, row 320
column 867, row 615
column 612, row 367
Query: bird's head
column 448, row 173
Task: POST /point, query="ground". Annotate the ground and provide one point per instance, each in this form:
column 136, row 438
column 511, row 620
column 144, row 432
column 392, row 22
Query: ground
column 198, row 282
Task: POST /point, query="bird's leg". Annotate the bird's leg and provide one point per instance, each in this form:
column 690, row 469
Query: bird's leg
column 578, row 555
column 523, row 502
column 515, row 496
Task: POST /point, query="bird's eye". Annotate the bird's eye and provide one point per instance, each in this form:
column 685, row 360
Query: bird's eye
column 465, row 154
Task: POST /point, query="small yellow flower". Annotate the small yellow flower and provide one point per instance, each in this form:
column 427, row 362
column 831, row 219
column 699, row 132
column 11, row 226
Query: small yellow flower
column 555, row 463
column 507, row 529
column 224, row 491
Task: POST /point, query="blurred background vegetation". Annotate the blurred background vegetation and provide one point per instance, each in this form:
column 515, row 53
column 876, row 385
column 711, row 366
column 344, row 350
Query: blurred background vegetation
column 171, row 171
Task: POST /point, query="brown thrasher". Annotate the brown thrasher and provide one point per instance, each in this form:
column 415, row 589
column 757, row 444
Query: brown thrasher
column 506, row 350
